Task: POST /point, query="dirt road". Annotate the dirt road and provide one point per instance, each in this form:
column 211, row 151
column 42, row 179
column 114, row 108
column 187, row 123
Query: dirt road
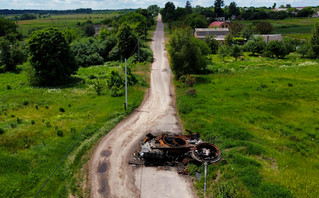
column 110, row 174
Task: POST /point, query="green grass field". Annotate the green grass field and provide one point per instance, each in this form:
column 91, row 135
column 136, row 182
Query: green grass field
column 60, row 21
column 33, row 118
column 265, row 114
column 300, row 28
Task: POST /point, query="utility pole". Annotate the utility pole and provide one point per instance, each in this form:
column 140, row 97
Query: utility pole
column 138, row 49
column 125, row 85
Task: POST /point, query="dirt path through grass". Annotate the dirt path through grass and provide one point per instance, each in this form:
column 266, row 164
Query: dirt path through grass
column 110, row 174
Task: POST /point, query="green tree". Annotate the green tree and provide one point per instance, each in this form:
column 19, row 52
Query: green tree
column 228, row 40
column 314, row 42
column 126, row 40
column 218, row 8
column 50, row 56
column 9, row 30
column 185, row 56
column 256, row 45
column 10, row 55
column 168, row 13
column 137, row 21
column 264, row 27
column 276, row 49
column 88, row 28
column 223, row 51
column 236, row 28
column 154, row 9
column 233, row 9
column 303, row 48
column 236, row 52
column 71, row 34
column 196, row 21
column 188, row 7
column 212, row 44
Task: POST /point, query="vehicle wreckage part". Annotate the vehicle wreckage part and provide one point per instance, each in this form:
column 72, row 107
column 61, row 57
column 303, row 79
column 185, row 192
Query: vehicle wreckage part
column 206, row 152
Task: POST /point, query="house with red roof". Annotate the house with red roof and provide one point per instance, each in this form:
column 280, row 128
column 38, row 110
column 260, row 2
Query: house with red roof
column 219, row 24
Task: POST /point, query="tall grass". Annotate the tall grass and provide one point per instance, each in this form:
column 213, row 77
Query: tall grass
column 264, row 112
column 37, row 132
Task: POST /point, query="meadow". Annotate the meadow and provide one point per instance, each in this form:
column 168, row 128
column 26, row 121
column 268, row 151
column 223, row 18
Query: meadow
column 60, row 21
column 40, row 124
column 265, row 115
column 300, row 28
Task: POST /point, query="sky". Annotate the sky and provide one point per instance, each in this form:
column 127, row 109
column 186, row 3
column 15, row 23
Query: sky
column 120, row 4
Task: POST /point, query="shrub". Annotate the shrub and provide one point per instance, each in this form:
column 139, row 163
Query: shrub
column 191, row 91
column 226, row 189
column 116, row 92
column 61, row 109
column 87, row 52
column 98, row 86
column 59, row 133
column 1, row 131
column 36, row 107
column 190, row 80
column 303, row 49
column 212, row 44
column 8, row 87
column 48, row 124
column 223, row 51
column 264, row 27
column 32, row 122
column 50, row 56
column 11, row 54
column 13, row 125
column 236, row 51
column 25, row 103
column 277, row 49
column 256, row 45
column 19, row 121
column 126, row 40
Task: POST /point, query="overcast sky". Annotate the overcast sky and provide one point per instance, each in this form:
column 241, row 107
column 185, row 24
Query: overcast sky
column 120, row 4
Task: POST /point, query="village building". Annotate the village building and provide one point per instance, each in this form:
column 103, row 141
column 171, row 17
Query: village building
column 218, row 33
column 270, row 37
column 219, row 24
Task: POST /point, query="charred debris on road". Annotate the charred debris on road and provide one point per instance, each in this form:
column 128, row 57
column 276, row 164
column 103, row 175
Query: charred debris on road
column 170, row 149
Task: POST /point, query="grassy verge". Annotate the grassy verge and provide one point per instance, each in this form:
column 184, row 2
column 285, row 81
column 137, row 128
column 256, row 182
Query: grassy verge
column 40, row 125
column 265, row 113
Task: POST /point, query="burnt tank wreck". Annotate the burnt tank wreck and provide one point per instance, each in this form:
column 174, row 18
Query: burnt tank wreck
column 170, row 149
column 174, row 149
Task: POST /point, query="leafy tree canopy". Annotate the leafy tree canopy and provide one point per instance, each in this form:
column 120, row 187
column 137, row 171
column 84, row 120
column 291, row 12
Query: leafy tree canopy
column 196, row 21
column 50, row 56
column 126, row 40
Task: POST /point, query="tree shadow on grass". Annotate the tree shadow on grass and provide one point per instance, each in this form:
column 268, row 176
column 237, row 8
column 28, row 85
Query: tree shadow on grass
column 69, row 83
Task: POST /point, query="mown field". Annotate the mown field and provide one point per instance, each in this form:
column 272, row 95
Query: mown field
column 40, row 124
column 300, row 28
column 265, row 114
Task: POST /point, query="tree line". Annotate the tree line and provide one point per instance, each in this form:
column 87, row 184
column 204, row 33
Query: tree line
column 52, row 55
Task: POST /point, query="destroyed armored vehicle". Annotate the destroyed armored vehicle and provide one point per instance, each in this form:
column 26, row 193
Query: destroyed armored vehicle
column 173, row 149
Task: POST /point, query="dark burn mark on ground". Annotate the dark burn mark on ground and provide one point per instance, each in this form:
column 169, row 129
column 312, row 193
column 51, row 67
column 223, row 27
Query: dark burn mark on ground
column 103, row 187
column 105, row 153
column 102, row 168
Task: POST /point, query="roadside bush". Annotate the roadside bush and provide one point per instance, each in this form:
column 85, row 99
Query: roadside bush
column 1, row 131
column 116, row 79
column 190, row 80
